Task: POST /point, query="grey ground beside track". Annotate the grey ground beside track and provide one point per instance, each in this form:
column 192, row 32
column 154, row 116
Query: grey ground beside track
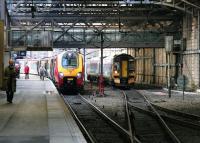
column 37, row 115
column 190, row 104
column 25, row 119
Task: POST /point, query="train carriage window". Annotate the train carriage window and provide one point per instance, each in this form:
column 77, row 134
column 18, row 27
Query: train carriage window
column 93, row 68
column 69, row 60
column 107, row 69
column 131, row 64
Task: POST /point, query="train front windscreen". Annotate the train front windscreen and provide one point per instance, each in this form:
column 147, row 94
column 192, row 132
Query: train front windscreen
column 70, row 60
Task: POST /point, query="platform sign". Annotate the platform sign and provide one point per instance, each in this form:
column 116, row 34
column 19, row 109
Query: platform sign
column 169, row 43
column 22, row 53
column 182, row 81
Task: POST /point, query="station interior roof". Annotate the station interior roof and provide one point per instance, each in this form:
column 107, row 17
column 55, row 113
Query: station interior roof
column 134, row 15
column 29, row 12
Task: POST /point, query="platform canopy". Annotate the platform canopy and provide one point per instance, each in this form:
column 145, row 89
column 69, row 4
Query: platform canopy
column 80, row 22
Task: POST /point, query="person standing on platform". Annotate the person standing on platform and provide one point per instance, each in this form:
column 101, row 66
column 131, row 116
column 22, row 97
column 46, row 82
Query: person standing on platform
column 26, row 71
column 42, row 73
column 10, row 80
column 17, row 70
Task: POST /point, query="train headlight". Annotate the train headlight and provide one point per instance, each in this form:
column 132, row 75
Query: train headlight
column 115, row 72
column 61, row 75
column 79, row 75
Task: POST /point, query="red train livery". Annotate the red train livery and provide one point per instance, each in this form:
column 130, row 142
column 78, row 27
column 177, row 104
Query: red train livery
column 69, row 71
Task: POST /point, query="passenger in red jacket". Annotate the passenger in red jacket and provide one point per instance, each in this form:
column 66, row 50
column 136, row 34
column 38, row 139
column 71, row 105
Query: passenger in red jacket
column 26, row 71
column 17, row 70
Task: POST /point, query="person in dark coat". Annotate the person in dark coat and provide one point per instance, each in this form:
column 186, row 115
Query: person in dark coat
column 10, row 80
column 42, row 72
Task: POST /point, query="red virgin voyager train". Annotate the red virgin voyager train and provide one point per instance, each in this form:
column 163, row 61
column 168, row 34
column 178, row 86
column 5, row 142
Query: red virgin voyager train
column 69, row 71
column 66, row 70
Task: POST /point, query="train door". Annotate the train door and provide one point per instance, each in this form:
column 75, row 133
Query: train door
column 52, row 69
column 131, row 67
column 124, row 68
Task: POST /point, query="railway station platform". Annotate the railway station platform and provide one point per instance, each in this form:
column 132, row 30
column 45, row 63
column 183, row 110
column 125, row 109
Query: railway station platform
column 37, row 115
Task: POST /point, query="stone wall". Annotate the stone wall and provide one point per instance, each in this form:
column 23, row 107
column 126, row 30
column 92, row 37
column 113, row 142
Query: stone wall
column 190, row 60
column 191, row 55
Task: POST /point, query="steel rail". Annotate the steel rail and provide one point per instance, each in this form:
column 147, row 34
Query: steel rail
column 169, row 131
column 186, row 115
column 77, row 119
column 118, row 127
column 174, row 120
column 128, row 117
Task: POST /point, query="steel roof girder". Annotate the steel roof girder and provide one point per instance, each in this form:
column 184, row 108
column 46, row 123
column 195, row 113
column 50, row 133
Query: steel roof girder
column 103, row 16
column 66, row 31
column 63, row 29
column 68, row 9
column 111, row 45
column 122, row 2
column 191, row 4
column 82, row 2
column 29, row 30
column 182, row 5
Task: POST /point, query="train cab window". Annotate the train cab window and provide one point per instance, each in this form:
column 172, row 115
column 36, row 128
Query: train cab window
column 116, row 67
column 69, row 60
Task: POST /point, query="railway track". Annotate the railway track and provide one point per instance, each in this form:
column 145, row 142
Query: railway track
column 148, row 128
column 189, row 120
column 97, row 126
column 153, row 133
column 179, row 126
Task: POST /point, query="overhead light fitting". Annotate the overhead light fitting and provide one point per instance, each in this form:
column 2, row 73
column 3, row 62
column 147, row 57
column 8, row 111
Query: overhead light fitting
column 168, row 1
column 33, row 9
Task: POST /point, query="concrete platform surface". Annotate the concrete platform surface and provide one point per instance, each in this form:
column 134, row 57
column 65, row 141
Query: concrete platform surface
column 37, row 115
